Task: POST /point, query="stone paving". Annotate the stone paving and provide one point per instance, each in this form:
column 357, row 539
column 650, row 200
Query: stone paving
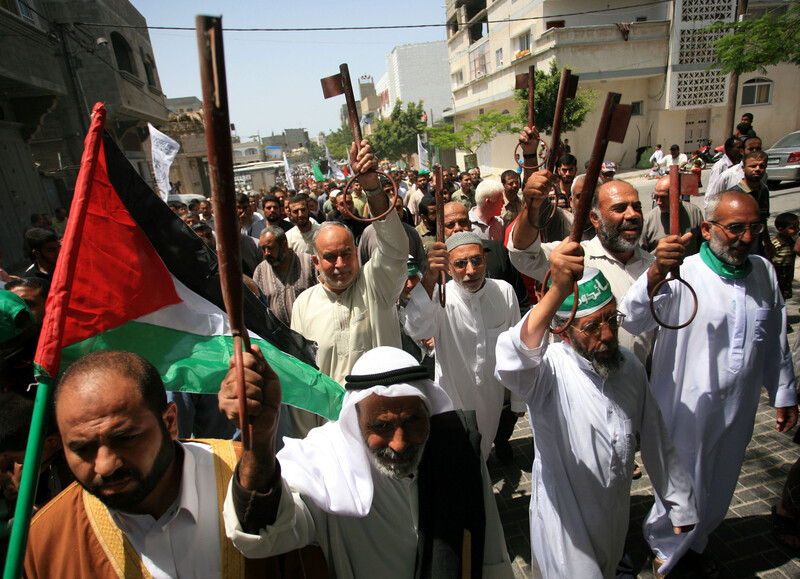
column 743, row 544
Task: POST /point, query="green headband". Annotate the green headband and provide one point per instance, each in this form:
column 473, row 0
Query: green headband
column 594, row 292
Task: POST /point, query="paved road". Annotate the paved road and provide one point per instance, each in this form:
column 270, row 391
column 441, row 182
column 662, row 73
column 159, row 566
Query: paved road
column 743, row 544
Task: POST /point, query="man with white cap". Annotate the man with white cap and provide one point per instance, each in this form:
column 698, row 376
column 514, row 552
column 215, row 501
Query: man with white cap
column 587, row 400
column 465, row 331
column 394, row 488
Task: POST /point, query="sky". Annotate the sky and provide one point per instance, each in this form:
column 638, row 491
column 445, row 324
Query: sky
column 273, row 77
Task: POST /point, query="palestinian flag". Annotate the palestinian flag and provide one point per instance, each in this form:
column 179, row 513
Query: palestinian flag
column 133, row 276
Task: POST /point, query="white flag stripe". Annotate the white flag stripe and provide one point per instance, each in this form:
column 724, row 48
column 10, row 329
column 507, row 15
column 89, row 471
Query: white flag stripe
column 288, row 170
column 423, row 156
column 164, row 151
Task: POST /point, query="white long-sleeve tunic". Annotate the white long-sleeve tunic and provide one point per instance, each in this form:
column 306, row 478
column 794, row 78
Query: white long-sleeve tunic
column 465, row 333
column 707, row 379
column 584, row 433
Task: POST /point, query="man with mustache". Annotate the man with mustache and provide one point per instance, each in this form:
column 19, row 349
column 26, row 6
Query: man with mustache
column 352, row 309
column 656, row 223
column 284, row 274
column 754, row 167
column 707, row 377
column 394, row 488
column 465, row 331
column 587, row 398
column 617, row 218
column 144, row 504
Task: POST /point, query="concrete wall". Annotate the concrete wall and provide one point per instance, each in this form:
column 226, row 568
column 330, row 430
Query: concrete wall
column 780, row 117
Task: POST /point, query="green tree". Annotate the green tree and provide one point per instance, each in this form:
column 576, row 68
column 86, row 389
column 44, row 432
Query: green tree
column 754, row 44
column 339, row 141
column 472, row 134
column 544, row 104
column 397, row 136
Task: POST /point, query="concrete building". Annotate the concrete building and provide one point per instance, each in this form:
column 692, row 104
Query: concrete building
column 288, row 140
column 180, row 105
column 656, row 55
column 54, row 69
column 416, row 72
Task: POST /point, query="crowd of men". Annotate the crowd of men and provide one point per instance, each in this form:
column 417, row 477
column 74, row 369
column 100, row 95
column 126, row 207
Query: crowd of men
column 439, row 352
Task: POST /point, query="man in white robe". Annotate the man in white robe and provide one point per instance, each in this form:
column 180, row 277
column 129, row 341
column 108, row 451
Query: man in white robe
column 708, row 376
column 392, row 488
column 587, row 400
column 465, row 331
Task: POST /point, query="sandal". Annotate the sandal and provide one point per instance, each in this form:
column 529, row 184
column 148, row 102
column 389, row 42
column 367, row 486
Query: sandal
column 783, row 527
column 637, row 471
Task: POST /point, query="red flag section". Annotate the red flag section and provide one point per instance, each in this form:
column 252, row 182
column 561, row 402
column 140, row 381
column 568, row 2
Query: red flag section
column 105, row 265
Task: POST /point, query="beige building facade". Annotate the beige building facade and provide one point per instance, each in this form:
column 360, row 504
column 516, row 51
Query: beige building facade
column 655, row 55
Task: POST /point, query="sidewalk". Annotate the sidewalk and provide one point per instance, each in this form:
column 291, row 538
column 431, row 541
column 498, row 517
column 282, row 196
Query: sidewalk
column 742, row 545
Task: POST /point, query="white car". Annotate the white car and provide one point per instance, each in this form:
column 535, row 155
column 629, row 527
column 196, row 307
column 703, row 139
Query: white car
column 784, row 159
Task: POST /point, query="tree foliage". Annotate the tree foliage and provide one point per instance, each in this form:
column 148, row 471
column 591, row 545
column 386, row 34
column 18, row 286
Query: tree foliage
column 755, row 44
column 339, row 142
column 396, row 136
column 472, row 134
column 544, row 104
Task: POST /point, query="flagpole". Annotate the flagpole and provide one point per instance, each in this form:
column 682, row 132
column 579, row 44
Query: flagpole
column 48, row 351
column 223, row 195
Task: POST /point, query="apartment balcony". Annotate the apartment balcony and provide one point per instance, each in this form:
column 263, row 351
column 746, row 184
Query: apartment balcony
column 626, row 50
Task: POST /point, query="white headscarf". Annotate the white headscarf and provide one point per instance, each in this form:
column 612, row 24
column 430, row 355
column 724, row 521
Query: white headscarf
column 332, row 465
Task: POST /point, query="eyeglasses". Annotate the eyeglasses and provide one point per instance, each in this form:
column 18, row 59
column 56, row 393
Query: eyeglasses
column 475, row 260
column 593, row 329
column 463, row 223
column 738, row 229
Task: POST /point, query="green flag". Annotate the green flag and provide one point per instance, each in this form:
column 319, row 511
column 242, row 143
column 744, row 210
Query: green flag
column 318, row 176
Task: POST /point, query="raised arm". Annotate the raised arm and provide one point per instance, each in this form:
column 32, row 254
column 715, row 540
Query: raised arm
column 535, row 191
column 364, row 165
column 566, row 266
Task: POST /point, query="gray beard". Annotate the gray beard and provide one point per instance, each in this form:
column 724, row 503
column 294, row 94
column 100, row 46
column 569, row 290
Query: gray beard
column 398, row 471
column 605, row 367
column 612, row 238
column 724, row 253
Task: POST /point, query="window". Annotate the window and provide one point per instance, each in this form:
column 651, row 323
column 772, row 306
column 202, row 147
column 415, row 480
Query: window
column 637, row 108
column 477, row 62
column 458, row 78
column 123, row 53
column 522, row 44
column 498, row 57
column 757, row 91
column 25, row 11
column 250, row 152
column 149, row 68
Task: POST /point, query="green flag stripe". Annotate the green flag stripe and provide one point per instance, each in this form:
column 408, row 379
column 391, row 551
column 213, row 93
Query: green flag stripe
column 194, row 363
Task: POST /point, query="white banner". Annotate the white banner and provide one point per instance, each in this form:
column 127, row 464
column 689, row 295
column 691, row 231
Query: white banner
column 423, row 156
column 164, row 151
column 288, row 170
column 336, row 172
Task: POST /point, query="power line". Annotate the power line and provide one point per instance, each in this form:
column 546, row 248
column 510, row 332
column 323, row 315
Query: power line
column 386, row 27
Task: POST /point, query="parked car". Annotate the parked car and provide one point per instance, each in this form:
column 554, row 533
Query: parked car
column 784, row 159
column 183, row 198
